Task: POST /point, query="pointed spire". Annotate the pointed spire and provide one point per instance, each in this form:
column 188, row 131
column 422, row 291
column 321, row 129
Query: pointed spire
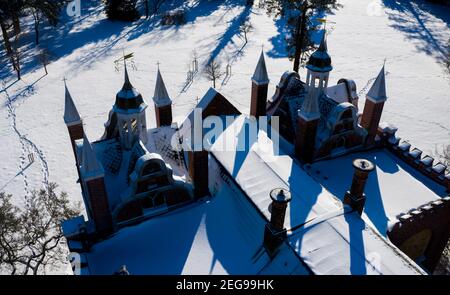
column 377, row 92
column 90, row 165
column 127, row 84
column 323, row 43
column 161, row 97
column 320, row 60
column 71, row 115
column 310, row 108
column 260, row 75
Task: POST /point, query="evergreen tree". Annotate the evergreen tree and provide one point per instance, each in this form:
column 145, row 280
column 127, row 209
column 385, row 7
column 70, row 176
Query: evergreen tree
column 124, row 10
column 10, row 12
column 49, row 10
column 299, row 15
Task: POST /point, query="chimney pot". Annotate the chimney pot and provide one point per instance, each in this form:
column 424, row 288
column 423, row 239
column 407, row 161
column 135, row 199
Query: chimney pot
column 356, row 197
column 273, row 234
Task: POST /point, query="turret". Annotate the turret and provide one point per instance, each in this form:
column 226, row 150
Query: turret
column 72, row 119
column 319, row 67
column 163, row 103
column 373, row 107
column 93, row 181
column 130, row 111
column 260, row 84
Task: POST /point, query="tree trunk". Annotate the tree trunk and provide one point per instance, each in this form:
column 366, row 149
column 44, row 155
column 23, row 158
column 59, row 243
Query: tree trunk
column 146, row 8
column 36, row 26
column 299, row 38
column 16, row 24
column 6, row 38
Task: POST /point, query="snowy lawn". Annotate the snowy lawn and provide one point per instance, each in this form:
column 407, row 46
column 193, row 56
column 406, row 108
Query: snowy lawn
column 410, row 36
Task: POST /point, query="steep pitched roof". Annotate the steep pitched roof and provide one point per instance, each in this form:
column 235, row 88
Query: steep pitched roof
column 161, row 97
column 70, row 111
column 377, row 92
column 320, row 60
column 260, row 75
column 90, row 166
column 310, row 108
column 128, row 98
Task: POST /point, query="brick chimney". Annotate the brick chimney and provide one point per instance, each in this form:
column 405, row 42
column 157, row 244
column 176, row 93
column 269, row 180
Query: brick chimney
column 260, row 84
column 356, row 197
column 373, row 107
column 198, row 156
column 198, row 172
column 273, row 233
column 163, row 103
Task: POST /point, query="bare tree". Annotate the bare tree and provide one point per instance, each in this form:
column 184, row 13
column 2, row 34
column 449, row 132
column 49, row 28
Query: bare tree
column 245, row 28
column 44, row 58
column 213, row 71
column 299, row 15
column 443, row 154
column 15, row 56
column 31, row 238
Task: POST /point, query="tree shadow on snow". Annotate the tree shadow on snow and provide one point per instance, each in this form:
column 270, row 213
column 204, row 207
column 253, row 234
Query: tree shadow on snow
column 415, row 19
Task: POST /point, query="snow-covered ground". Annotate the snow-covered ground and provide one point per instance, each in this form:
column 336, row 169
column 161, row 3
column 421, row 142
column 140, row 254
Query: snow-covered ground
column 361, row 35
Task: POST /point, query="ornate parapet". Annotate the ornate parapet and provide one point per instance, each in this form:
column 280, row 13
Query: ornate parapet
column 413, row 156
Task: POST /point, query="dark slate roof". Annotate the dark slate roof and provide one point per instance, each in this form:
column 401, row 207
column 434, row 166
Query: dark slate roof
column 320, row 60
column 128, row 97
column 292, row 99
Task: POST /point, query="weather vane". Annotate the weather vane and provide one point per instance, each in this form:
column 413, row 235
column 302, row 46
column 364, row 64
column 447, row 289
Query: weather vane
column 125, row 58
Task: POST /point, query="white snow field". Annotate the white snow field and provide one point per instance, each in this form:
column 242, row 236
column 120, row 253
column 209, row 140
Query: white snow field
column 411, row 37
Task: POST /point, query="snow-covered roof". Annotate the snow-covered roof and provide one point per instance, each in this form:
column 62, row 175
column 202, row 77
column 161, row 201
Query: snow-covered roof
column 71, row 115
column 160, row 96
column 310, row 108
column 260, row 75
column 340, row 92
column 222, row 235
column 391, row 189
column 90, row 165
column 342, row 244
column 118, row 163
column 313, row 211
column 377, row 93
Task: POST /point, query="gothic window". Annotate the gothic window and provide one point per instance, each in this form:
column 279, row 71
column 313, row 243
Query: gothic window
column 134, row 125
column 151, row 168
column 125, row 127
column 159, row 200
column 147, row 203
column 317, row 82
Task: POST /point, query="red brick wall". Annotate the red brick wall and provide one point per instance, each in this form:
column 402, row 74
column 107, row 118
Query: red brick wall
column 100, row 205
column 305, row 139
column 258, row 102
column 163, row 115
column 130, row 210
column 352, row 139
column 434, row 216
column 198, row 171
column 371, row 118
column 75, row 132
